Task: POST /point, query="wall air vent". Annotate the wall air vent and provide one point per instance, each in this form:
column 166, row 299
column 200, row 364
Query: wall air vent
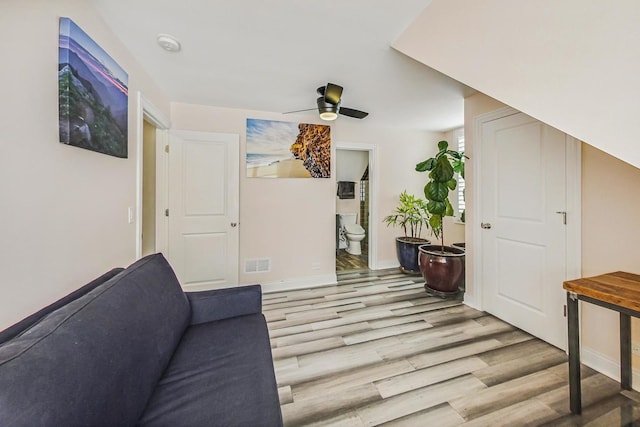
column 258, row 265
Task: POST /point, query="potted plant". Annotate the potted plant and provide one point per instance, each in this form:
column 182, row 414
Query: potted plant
column 441, row 266
column 410, row 215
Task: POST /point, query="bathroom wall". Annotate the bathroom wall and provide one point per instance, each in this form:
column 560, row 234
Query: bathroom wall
column 350, row 166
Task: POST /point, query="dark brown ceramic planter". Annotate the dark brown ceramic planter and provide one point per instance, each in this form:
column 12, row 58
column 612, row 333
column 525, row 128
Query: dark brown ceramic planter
column 443, row 273
column 407, row 251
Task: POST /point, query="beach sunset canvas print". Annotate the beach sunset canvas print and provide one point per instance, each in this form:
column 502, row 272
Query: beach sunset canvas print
column 288, row 150
column 93, row 94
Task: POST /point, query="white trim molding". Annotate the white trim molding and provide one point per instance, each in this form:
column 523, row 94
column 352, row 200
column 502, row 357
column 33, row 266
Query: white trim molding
column 605, row 365
column 301, row 283
column 475, row 298
column 373, row 196
column 574, row 208
column 470, row 300
column 382, row 265
column 149, row 112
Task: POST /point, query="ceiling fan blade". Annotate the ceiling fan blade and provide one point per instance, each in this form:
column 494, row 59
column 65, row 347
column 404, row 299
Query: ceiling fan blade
column 299, row 111
column 332, row 93
column 352, row 113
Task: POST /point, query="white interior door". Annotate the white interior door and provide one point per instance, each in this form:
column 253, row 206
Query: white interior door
column 203, row 209
column 523, row 187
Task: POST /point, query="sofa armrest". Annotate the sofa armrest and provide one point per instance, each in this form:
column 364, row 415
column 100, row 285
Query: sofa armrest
column 218, row 304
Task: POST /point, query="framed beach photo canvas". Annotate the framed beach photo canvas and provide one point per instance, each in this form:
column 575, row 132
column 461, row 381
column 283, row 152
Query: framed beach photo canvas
column 92, row 94
column 288, row 150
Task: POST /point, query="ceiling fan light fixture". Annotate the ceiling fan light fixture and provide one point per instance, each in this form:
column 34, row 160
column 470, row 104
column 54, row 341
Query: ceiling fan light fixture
column 327, row 111
column 328, row 115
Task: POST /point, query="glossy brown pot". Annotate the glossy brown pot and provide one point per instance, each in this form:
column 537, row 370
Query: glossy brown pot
column 443, row 272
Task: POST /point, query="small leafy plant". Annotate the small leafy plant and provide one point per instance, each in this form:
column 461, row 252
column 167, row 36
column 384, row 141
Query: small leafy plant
column 410, row 215
column 441, row 168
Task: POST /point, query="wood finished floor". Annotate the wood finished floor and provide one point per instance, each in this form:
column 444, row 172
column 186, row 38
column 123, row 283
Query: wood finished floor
column 347, row 262
column 376, row 350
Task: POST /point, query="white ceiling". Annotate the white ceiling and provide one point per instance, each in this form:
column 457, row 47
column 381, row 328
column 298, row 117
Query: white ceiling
column 271, row 55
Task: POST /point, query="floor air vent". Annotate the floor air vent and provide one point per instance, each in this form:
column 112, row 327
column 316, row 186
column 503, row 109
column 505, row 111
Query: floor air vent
column 260, row 265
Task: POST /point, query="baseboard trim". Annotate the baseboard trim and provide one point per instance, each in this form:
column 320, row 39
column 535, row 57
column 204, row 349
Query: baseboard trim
column 301, row 283
column 470, row 300
column 383, row 265
column 606, row 365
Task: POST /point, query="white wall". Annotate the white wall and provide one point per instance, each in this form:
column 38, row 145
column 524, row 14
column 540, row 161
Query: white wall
column 292, row 221
column 351, row 164
column 572, row 64
column 610, row 236
column 63, row 209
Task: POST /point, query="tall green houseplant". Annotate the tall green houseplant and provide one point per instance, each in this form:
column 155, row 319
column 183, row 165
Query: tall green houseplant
column 441, row 168
column 410, row 215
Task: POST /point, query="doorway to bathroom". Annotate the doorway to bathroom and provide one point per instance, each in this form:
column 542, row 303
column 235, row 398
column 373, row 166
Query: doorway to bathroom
column 355, row 247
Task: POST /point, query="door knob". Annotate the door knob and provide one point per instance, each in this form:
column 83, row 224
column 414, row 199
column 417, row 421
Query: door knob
column 564, row 216
column 485, row 225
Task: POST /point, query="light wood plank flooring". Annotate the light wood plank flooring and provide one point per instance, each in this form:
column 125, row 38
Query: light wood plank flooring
column 376, row 350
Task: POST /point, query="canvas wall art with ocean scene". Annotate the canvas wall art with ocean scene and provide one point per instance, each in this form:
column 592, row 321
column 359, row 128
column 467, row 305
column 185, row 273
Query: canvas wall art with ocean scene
column 93, row 94
column 278, row 149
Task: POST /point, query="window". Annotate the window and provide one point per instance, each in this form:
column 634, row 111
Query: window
column 458, row 137
column 364, row 180
column 363, row 191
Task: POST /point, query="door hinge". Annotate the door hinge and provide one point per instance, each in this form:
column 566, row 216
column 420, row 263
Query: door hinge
column 565, row 310
column 166, row 212
column 166, row 148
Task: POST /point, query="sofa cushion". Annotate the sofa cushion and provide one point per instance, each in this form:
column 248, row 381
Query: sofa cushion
column 95, row 361
column 221, row 374
column 218, row 304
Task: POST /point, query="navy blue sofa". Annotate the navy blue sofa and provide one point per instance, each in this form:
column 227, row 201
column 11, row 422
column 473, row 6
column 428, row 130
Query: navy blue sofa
column 131, row 348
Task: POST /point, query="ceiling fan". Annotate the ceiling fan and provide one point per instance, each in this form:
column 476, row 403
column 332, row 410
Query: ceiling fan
column 329, row 104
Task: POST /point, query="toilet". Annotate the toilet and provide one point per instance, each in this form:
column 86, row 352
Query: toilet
column 352, row 231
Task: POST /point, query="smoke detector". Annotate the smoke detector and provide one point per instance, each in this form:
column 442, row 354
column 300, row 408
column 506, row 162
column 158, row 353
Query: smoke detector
column 168, row 43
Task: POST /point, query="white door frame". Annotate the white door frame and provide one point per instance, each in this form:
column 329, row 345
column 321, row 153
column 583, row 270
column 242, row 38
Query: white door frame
column 148, row 111
column 372, row 149
column 574, row 205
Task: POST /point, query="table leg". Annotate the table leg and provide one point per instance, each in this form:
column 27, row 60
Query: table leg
column 575, row 398
column 625, row 351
